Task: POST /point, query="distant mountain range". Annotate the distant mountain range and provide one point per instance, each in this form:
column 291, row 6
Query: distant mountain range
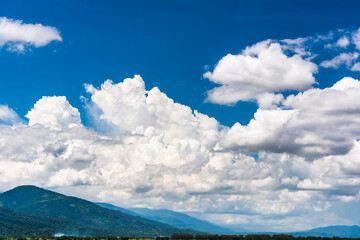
column 33, row 211
column 331, row 231
column 176, row 219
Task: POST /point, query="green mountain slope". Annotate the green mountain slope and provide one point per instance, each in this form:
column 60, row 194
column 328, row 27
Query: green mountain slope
column 14, row 223
column 82, row 213
column 22, row 224
column 176, row 219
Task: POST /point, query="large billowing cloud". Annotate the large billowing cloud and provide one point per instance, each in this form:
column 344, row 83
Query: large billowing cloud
column 162, row 154
column 128, row 107
column 17, row 35
column 313, row 123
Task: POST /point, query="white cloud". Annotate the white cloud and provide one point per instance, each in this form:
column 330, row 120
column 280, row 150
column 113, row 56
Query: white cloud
column 346, row 39
column 8, row 116
column 260, row 69
column 312, row 123
column 18, row 35
column 262, row 73
column 342, row 59
column 173, row 159
column 356, row 67
column 54, row 112
column 356, row 38
column 343, row 42
column 261, row 132
column 128, row 107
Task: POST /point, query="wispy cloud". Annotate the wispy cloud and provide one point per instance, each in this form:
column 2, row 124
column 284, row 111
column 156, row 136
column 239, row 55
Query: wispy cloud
column 8, row 116
column 346, row 59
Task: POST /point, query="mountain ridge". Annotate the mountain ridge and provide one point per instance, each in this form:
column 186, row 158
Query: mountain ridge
column 176, row 219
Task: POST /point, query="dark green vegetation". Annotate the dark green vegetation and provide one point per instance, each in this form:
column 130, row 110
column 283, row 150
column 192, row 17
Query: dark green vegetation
column 56, row 213
column 172, row 218
column 19, row 224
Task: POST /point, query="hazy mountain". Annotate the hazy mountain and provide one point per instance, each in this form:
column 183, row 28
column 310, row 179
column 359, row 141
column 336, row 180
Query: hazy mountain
column 115, row 208
column 176, row 219
column 331, row 231
column 80, row 213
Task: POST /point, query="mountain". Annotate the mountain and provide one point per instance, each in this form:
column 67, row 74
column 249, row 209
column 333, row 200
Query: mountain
column 176, row 219
column 86, row 218
column 331, row 231
column 14, row 223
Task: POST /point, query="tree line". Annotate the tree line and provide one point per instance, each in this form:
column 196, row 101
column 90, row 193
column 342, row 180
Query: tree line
column 249, row 237
column 188, row 237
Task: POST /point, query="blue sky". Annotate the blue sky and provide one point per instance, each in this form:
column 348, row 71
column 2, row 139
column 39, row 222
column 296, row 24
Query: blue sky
column 167, row 42
column 243, row 113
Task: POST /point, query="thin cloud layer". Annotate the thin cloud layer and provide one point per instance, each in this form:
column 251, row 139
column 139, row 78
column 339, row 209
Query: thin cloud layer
column 18, row 36
column 163, row 154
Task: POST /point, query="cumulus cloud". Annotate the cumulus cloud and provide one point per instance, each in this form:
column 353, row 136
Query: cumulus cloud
column 313, row 123
column 262, row 73
column 260, row 69
column 129, row 108
column 54, row 112
column 17, row 36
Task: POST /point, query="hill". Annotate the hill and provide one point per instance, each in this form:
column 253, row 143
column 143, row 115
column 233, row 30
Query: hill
column 176, row 219
column 81, row 214
column 19, row 224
